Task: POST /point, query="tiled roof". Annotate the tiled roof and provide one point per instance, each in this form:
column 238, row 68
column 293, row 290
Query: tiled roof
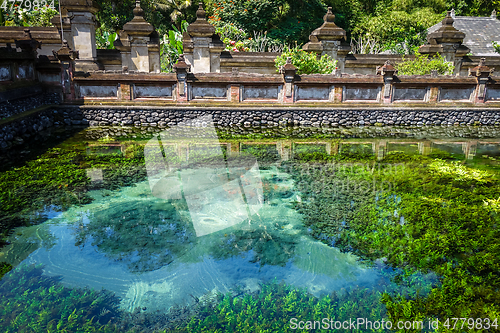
column 479, row 33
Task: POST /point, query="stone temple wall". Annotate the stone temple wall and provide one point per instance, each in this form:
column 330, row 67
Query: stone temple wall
column 17, row 131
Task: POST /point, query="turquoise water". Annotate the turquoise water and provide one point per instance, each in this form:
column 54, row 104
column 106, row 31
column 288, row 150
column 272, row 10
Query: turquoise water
column 124, row 242
column 209, row 218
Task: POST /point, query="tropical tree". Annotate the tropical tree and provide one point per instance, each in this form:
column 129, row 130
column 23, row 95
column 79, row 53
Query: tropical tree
column 175, row 7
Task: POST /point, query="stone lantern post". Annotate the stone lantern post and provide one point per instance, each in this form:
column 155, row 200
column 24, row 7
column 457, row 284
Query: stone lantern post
column 79, row 23
column 483, row 75
column 67, row 57
column 288, row 72
column 387, row 71
column 140, row 45
column 447, row 41
column 202, row 47
column 332, row 39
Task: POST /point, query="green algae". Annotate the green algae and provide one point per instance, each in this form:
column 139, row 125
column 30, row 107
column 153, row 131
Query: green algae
column 145, row 235
column 4, row 268
column 59, row 178
column 449, row 226
column 437, row 216
column 33, row 302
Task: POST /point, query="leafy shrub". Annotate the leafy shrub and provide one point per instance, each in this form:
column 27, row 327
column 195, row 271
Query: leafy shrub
column 105, row 39
column 307, row 63
column 496, row 46
column 399, row 31
column 35, row 17
column 286, row 20
column 422, row 65
column 251, row 15
column 171, row 47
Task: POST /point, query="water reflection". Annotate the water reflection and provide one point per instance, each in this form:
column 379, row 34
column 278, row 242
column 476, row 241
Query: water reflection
column 213, row 215
column 219, row 193
column 143, row 234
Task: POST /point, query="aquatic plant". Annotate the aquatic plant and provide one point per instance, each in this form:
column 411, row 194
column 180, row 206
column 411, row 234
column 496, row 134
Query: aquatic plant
column 147, row 235
column 270, row 246
column 4, row 268
column 433, row 219
column 33, row 302
column 58, row 178
column 459, row 172
column 273, row 307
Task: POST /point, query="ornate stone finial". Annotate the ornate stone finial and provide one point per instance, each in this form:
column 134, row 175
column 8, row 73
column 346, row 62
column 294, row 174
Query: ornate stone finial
column 138, row 26
column 27, row 33
column 481, row 70
column 494, row 14
column 138, row 11
column 448, row 20
column 200, row 27
column 314, row 45
column 181, row 66
column 200, row 13
column 386, row 70
column 329, row 16
column 453, row 12
column 27, row 43
column 446, row 34
column 65, row 53
column 289, row 69
column 329, row 31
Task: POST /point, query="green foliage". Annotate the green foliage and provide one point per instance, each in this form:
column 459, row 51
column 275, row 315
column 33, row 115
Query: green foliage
column 272, row 308
column 422, row 65
column 105, row 39
column 251, row 15
column 4, row 268
column 175, row 7
column 287, row 21
column 232, row 36
column 398, row 31
column 496, row 46
column 112, row 15
column 59, row 178
column 32, row 302
column 23, row 16
column 433, row 215
column 307, row 63
column 171, row 47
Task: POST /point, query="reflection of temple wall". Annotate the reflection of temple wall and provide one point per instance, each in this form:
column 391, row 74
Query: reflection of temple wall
column 286, row 149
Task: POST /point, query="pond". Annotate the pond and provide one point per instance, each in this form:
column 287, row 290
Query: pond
column 196, row 228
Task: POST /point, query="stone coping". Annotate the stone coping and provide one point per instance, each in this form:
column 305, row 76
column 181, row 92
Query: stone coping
column 419, row 108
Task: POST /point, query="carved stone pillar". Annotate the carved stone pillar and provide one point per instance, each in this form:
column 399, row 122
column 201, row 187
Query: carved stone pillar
column 79, row 23
column 67, row 57
column 387, row 71
column 202, row 46
column 332, row 39
column 447, row 41
column 181, row 69
column 139, row 39
column 483, row 75
column 288, row 71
